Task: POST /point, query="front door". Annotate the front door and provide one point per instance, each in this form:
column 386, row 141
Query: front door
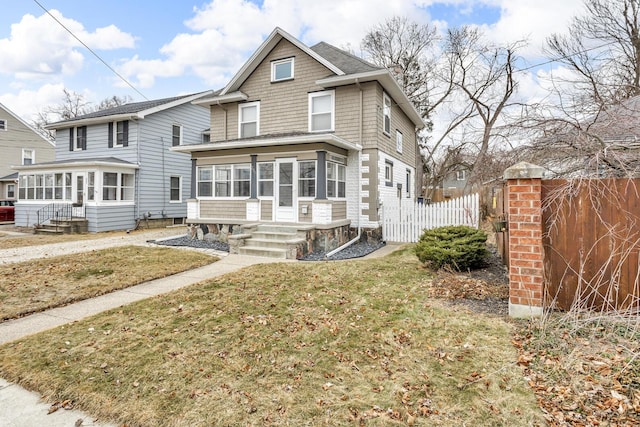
column 285, row 194
column 79, row 191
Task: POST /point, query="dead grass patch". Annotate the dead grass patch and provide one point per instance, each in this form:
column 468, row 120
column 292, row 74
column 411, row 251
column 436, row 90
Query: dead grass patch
column 9, row 241
column 323, row 343
column 584, row 371
column 33, row 286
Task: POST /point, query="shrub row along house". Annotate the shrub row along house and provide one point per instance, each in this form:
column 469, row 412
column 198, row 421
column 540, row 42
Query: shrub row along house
column 311, row 138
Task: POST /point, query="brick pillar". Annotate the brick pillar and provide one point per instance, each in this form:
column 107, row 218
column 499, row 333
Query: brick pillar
column 526, row 268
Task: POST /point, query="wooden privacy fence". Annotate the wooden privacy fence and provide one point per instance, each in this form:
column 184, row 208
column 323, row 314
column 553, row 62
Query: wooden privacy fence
column 591, row 243
column 404, row 220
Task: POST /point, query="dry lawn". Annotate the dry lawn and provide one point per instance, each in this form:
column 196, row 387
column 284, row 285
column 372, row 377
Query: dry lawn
column 9, row 241
column 33, row 286
column 323, row 343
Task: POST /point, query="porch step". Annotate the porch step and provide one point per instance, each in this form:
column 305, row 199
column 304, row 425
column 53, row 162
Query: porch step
column 75, row 225
column 263, row 252
column 48, row 229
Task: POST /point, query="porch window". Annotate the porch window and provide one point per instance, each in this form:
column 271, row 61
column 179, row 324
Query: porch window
column 91, row 186
column 336, row 180
column 321, row 111
column 127, row 186
column 176, row 135
column 67, row 186
column 48, row 186
column 265, row 179
column 249, row 119
column 282, row 70
column 175, row 189
column 241, row 180
column 205, row 181
column 39, row 187
column 386, row 114
column 307, row 179
column 58, row 186
column 223, row 181
column 110, row 186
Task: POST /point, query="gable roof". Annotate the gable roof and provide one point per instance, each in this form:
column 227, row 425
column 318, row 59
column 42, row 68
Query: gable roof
column 18, row 118
column 347, row 69
column 347, row 62
column 133, row 110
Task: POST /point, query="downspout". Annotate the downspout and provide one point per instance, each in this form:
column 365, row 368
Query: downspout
column 357, row 238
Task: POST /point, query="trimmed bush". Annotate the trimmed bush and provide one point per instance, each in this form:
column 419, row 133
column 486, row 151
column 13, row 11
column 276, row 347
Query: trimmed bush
column 458, row 247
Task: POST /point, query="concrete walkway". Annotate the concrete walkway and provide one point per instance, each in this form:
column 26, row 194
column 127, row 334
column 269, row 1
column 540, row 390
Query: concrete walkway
column 22, row 408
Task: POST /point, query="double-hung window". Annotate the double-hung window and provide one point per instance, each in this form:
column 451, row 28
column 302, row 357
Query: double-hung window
column 408, row 183
column 175, row 189
column 28, row 157
column 79, row 138
column 265, row 179
column 398, row 141
column 117, row 186
column 388, row 173
column 110, row 186
column 321, row 111
column 248, row 119
column 223, row 181
column 176, row 135
column 118, row 134
column 336, row 180
column 386, row 114
column 241, row 180
column 307, row 179
column 282, row 69
column 3, row 124
column 205, row 181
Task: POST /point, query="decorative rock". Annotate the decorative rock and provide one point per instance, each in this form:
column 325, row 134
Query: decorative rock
column 200, row 233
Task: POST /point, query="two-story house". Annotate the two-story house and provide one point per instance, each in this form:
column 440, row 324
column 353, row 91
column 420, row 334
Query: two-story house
column 20, row 144
column 114, row 167
column 310, row 137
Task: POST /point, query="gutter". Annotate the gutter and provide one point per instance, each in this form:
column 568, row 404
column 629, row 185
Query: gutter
column 357, row 238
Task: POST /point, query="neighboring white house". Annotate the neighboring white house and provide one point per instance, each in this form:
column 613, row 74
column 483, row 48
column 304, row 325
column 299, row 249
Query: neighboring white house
column 114, row 166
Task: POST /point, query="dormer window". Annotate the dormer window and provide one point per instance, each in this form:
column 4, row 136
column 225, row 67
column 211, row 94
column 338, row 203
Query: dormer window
column 248, row 119
column 282, row 70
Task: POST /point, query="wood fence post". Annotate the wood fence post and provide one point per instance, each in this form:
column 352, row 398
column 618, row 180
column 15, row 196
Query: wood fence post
column 526, row 267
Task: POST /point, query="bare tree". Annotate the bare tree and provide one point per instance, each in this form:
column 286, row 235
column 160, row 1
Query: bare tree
column 602, row 48
column 73, row 104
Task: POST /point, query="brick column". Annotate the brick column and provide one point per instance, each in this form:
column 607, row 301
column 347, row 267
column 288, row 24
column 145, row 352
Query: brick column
column 526, row 268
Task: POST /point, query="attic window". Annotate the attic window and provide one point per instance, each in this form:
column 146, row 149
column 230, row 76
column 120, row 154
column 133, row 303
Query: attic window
column 282, row 70
column 3, row 124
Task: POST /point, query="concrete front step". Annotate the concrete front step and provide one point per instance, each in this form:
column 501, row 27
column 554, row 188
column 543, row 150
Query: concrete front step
column 53, row 230
column 273, row 235
column 263, row 252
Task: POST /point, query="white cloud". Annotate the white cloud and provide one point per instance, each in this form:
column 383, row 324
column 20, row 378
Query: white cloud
column 226, row 32
column 22, row 103
column 39, row 46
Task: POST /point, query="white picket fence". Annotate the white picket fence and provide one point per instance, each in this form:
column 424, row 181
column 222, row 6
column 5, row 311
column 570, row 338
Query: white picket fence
column 404, row 220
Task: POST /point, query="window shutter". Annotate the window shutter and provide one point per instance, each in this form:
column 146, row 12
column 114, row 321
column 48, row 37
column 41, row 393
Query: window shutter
column 71, row 139
column 125, row 134
column 110, row 134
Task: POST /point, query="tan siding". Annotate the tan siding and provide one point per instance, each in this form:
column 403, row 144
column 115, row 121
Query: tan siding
column 339, row 210
column 266, row 210
column 228, row 209
column 283, row 105
column 302, row 217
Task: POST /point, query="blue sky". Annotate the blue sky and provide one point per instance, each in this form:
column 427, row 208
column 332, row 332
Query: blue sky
column 175, row 47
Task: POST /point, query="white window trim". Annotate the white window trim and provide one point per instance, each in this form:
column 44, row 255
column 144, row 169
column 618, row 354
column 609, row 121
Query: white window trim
column 33, row 155
column 240, row 122
column 179, row 189
column 272, row 180
column 75, row 137
column 398, row 141
column 232, row 181
column 333, row 109
column 388, row 177
column 7, row 191
column 4, row 123
column 386, row 110
column 461, row 175
column 99, row 186
column 337, row 180
column 181, row 141
column 114, row 135
column 408, row 182
column 282, row 61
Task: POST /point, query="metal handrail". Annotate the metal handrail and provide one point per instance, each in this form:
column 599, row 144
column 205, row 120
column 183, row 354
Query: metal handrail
column 57, row 211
